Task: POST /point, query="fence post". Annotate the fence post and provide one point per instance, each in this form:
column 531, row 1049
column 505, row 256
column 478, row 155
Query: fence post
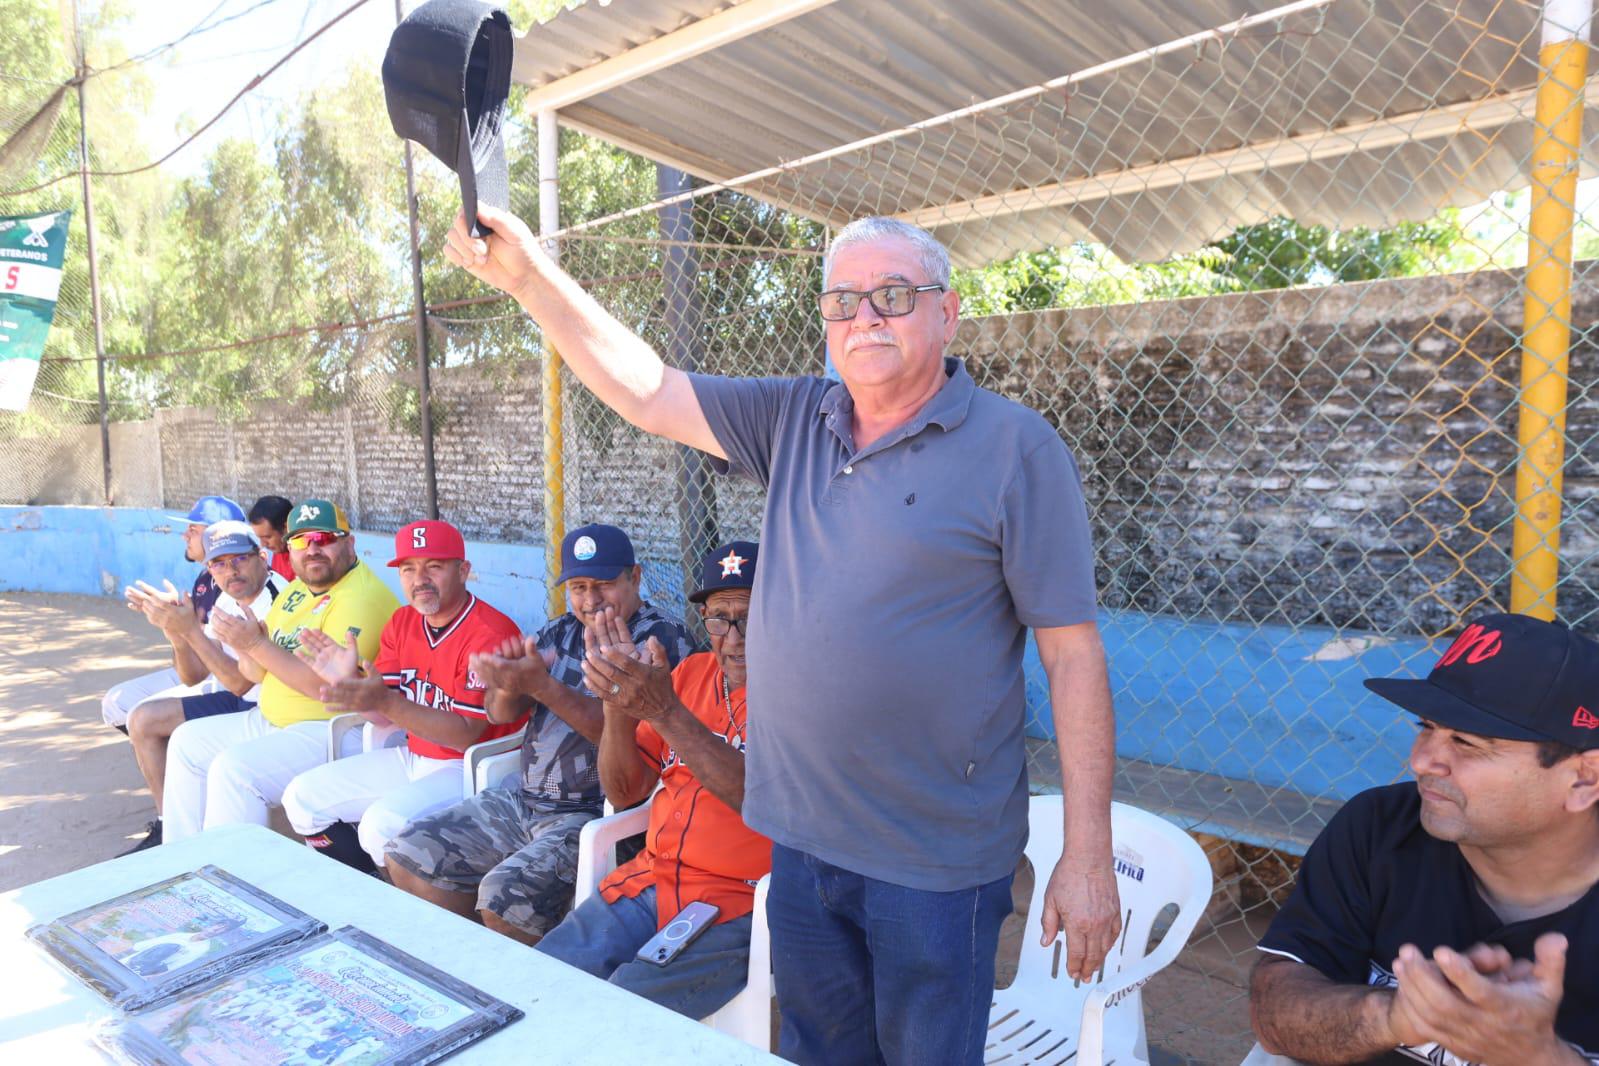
column 550, row 390
column 94, row 263
column 430, row 481
column 352, row 474
column 1546, row 315
column 680, row 268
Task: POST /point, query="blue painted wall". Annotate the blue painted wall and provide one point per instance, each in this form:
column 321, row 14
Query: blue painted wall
column 1254, row 703
column 97, row 551
column 1267, row 704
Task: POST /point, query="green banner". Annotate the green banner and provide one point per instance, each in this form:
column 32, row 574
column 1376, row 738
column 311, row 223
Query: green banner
column 31, row 250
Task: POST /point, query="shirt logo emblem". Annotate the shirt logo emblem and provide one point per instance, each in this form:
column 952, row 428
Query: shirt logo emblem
column 584, row 549
column 733, row 565
column 1584, row 719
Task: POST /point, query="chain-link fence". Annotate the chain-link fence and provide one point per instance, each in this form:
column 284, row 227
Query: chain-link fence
column 1285, row 348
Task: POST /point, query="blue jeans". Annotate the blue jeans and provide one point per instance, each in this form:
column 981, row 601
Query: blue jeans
column 871, row 972
column 603, row 939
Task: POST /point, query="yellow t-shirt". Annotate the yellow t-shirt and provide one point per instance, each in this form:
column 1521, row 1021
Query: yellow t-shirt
column 360, row 601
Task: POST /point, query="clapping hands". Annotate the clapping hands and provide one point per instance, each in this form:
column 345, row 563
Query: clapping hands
column 634, row 680
column 516, row 666
column 350, row 683
column 170, row 610
column 1480, row 1004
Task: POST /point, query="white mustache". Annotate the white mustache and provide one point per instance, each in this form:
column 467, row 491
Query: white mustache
column 870, row 336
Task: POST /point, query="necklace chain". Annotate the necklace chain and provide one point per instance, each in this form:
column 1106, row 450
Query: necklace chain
column 727, row 701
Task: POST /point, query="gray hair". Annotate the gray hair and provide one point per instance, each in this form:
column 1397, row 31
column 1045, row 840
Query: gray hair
column 934, row 257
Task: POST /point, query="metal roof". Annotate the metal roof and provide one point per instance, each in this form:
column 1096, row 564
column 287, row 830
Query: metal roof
column 1347, row 112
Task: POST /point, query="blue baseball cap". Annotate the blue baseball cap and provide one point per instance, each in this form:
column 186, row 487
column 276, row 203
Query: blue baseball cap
column 210, row 509
column 731, row 566
column 596, row 551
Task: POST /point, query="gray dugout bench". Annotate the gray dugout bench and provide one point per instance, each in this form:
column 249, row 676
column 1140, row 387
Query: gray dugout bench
column 1251, row 733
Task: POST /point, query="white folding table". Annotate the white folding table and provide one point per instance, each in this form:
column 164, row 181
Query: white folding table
column 570, row 1017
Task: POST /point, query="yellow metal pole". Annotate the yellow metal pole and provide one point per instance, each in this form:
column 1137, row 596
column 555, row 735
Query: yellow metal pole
column 554, row 477
column 550, row 384
column 1541, row 423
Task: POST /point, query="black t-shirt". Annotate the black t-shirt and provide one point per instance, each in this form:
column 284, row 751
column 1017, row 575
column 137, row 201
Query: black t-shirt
column 204, row 595
column 1375, row 880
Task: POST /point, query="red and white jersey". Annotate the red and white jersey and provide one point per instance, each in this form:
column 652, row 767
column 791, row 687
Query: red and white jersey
column 431, row 668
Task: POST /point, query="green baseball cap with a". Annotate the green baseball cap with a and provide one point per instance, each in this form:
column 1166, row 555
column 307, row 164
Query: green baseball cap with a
column 323, row 515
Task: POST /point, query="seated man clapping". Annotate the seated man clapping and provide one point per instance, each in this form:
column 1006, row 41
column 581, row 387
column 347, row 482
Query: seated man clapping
column 422, row 682
column 683, row 729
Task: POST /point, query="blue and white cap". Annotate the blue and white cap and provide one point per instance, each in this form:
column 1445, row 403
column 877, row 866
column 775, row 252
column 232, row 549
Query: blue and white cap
column 229, row 537
column 209, row 509
column 596, row 551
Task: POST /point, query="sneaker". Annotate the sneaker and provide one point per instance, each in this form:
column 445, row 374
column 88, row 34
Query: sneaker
column 152, row 837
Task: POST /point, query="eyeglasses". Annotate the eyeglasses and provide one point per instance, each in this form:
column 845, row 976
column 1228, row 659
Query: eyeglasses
column 231, row 562
column 315, row 538
column 717, row 626
column 890, row 301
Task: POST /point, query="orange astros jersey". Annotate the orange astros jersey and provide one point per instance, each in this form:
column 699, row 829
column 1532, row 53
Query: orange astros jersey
column 431, row 668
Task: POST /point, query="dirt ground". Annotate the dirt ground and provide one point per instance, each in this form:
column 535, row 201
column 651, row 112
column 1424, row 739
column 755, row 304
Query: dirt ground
column 71, row 796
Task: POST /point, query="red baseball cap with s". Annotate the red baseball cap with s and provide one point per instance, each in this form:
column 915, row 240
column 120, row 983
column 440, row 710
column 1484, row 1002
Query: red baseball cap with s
column 428, row 540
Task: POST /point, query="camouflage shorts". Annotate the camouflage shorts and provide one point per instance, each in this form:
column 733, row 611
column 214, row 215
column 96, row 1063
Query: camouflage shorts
column 522, row 863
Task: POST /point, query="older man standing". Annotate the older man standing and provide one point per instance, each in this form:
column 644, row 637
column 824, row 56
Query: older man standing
column 930, row 524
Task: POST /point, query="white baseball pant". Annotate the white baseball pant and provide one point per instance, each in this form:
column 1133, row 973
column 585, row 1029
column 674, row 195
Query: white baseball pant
column 233, row 768
column 382, row 790
column 120, row 700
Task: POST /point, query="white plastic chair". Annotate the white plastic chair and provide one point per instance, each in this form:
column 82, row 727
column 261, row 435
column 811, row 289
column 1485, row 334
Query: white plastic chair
column 1047, row 1018
column 342, row 742
column 491, row 763
column 748, row 1015
column 484, row 765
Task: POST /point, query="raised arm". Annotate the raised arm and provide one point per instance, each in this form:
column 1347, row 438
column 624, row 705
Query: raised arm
column 614, row 362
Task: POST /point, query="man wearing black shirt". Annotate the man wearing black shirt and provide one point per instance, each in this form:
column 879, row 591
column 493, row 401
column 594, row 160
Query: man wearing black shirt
column 1456, row 920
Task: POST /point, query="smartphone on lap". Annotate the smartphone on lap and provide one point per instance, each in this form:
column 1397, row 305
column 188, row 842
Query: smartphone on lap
column 678, row 933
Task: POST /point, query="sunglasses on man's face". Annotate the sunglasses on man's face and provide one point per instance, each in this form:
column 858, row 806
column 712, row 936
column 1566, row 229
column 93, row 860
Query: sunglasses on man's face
column 316, row 538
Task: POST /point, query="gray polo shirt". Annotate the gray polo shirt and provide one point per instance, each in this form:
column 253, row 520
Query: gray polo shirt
column 895, row 587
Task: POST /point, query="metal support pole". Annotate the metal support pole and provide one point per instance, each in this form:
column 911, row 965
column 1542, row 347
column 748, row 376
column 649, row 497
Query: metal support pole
column 696, row 493
column 94, row 265
column 1546, row 341
column 550, row 391
column 424, row 388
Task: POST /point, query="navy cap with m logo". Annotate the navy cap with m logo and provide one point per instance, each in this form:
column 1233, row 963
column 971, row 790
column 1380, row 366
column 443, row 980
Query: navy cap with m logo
column 1509, row 676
